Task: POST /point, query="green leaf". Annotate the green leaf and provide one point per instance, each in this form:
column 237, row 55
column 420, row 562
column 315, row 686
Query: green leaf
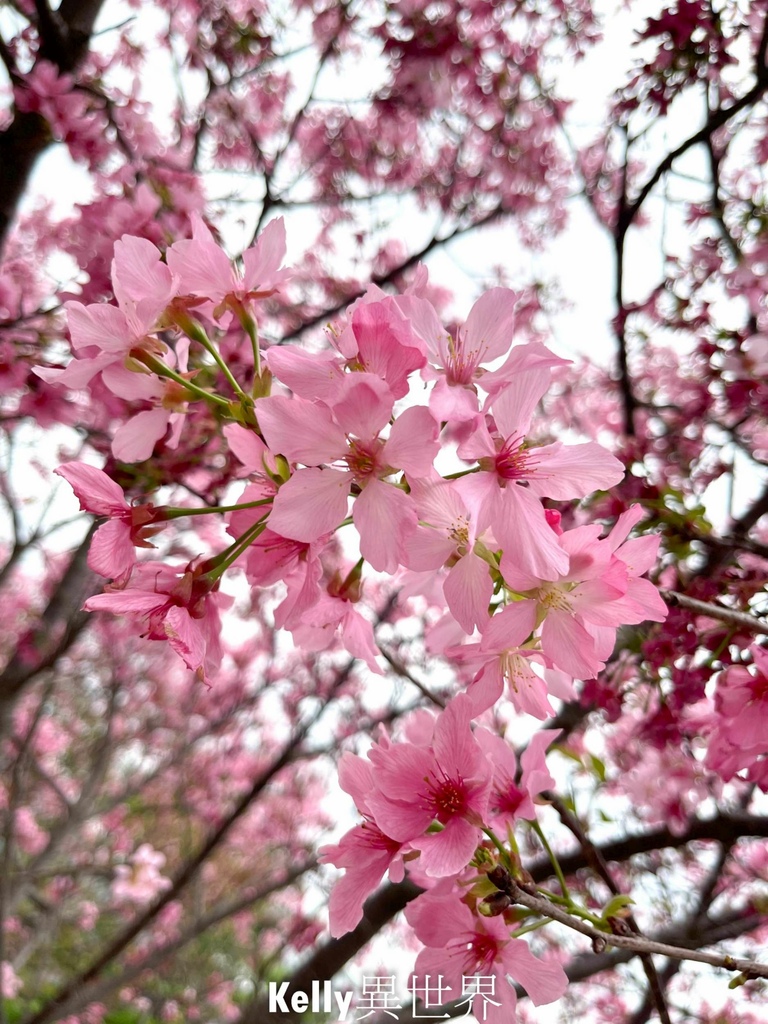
column 615, row 905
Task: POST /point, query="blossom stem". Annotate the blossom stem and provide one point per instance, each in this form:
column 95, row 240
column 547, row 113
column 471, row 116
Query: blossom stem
column 222, row 562
column 555, row 862
column 208, row 345
column 498, row 844
column 516, row 934
column 163, row 370
column 251, row 328
column 178, row 513
column 637, row 943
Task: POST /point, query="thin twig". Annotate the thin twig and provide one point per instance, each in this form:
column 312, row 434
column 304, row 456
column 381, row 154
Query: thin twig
column 637, row 943
column 748, row 623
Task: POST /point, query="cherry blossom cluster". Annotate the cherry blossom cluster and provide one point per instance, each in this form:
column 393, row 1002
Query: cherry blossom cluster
column 543, row 604
column 737, row 741
column 530, row 607
column 431, row 800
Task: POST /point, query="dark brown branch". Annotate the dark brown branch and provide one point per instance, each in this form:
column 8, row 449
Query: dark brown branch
column 599, row 865
column 64, row 38
column 717, row 119
column 332, row 956
column 587, row 965
column 392, row 275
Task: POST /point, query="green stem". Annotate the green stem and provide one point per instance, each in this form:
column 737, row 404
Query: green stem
column 555, row 862
column 163, row 370
column 208, row 345
column 177, row 513
column 573, row 908
column 232, row 553
column 529, row 928
column 496, row 842
column 251, row 328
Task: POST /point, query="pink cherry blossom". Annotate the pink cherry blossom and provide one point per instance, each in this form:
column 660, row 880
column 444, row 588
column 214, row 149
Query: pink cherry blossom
column 448, row 782
column 516, row 476
column 314, row 500
column 447, row 537
column 206, row 273
column 179, row 607
column 460, row 944
column 112, row 551
column 511, row 800
column 365, row 851
column 140, row 880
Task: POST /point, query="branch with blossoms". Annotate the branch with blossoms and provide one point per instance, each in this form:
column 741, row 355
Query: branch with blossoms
column 619, row 938
column 528, row 607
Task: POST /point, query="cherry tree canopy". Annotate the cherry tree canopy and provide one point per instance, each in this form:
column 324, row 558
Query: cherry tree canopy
column 341, row 531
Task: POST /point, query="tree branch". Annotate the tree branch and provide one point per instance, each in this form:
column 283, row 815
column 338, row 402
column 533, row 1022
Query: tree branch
column 637, row 943
column 742, row 621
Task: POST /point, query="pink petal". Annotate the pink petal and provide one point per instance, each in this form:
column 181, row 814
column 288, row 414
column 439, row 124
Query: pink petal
column 402, row 821
column 527, row 691
column 130, row 385
column 356, row 778
column 96, row 492
column 363, row 405
column 112, row 553
column 447, row 852
column 533, row 356
column 479, row 445
column 386, row 344
column 623, row 526
column 639, row 554
column 514, row 405
column 128, row 602
column 574, row 471
column 455, row 748
column 300, row 430
column 486, row 688
column 452, row 404
column 358, row 639
column 588, row 556
column 527, row 539
column 509, row 627
column 345, row 908
column 99, row 325
column 468, row 591
column 427, row 549
column 77, row 373
column 569, row 645
column 439, row 920
column 201, row 266
column 316, row 376
column 185, row 637
column 536, row 777
column 384, row 516
column 135, row 440
column 248, row 447
column 139, row 273
column 489, row 326
column 412, row 444
column 426, row 324
column 312, row 503
column 262, row 261
column 543, row 980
